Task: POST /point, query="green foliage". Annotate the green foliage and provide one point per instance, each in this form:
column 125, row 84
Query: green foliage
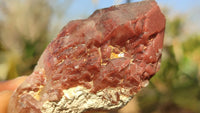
column 23, row 35
column 24, row 32
column 176, row 87
column 192, row 44
column 174, row 28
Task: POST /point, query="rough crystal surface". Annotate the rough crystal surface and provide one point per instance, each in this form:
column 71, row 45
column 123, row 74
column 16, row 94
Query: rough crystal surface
column 107, row 57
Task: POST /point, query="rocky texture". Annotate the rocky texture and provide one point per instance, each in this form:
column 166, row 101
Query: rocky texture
column 96, row 63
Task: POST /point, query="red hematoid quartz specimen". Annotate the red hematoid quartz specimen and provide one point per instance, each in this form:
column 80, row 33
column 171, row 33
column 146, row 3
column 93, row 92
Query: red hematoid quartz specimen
column 116, row 47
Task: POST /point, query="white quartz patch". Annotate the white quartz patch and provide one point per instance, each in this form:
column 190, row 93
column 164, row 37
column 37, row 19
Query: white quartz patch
column 78, row 99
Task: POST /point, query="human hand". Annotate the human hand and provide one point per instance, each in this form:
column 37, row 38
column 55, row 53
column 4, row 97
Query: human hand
column 6, row 90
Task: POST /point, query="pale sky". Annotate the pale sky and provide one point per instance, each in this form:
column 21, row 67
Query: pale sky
column 80, row 9
column 86, row 7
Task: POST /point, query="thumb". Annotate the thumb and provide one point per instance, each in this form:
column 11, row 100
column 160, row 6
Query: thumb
column 6, row 90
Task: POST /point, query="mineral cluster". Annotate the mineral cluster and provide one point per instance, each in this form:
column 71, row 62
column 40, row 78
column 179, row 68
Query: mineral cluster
column 98, row 63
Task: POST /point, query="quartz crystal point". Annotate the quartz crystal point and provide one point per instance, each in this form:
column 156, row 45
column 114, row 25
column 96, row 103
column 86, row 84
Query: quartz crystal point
column 98, row 63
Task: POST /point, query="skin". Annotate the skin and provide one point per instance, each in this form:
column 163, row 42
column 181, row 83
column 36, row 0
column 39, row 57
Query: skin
column 6, row 90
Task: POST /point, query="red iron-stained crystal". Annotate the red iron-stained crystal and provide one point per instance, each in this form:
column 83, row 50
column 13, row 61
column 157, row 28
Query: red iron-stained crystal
column 97, row 63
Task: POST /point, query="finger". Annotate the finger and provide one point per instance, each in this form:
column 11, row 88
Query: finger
column 6, row 90
column 4, row 99
column 11, row 84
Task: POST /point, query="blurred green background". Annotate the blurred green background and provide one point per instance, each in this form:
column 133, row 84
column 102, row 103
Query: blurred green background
column 27, row 26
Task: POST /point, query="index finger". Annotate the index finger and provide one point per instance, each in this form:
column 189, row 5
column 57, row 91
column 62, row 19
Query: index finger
column 6, row 90
column 11, row 84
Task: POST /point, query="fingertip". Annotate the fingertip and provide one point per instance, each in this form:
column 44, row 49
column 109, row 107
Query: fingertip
column 4, row 99
column 19, row 80
column 12, row 84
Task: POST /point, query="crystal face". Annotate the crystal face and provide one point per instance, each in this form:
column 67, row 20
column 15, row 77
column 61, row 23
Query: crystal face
column 98, row 63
